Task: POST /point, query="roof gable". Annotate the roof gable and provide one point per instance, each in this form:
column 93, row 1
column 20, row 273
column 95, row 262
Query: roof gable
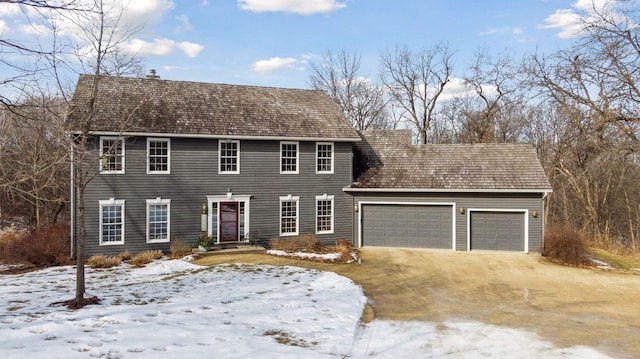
column 383, row 162
column 177, row 107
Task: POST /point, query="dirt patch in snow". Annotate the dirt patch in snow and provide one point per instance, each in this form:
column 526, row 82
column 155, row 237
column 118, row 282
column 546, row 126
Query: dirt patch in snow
column 567, row 306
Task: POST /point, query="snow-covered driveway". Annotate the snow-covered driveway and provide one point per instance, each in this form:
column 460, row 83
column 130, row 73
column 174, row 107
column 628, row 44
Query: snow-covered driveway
column 229, row 311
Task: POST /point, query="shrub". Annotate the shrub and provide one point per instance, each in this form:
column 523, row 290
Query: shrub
column 125, row 256
column 205, row 241
column 565, row 244
column 7, row 237
column 102, row 261
column 140, row 259
column 345, row 248
column 303, row 243
column 179, row 249
column 41, row 247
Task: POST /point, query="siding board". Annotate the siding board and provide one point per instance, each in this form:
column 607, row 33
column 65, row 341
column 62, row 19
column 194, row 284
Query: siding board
column 194, row 175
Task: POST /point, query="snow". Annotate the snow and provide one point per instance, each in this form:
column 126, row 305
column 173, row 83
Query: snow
column 173, row 308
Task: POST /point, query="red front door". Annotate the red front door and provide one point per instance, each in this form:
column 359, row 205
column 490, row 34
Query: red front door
column 229, row 222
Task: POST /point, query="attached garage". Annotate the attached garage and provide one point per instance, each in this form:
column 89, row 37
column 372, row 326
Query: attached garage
column 407, row 225
column 463, row 197
column 498, row 230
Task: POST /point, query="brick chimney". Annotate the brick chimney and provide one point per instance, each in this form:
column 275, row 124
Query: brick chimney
column 152, row 74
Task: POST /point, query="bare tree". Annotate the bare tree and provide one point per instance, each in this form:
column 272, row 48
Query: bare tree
column 34, row 157
column 362, row 101
column 102, row 31
column 592, row 90
column 415, row 82
column 490, row 109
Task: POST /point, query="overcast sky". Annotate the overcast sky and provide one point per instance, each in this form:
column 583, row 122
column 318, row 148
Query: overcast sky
column 272, row 42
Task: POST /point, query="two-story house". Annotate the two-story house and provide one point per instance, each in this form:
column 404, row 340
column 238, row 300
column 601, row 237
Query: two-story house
column 174, row 158
column 258, row 162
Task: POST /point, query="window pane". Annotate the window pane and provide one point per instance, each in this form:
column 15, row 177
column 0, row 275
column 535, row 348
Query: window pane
column 324, row 157
column 229, row 156
column 112, row 156
column 111, row 223
column 158, row 221
column 289, row 157
column 324, row 215
column 159, row 156
column 288, row 217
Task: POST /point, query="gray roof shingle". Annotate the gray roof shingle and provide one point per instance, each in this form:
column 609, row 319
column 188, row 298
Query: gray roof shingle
column 388, row 160
column 179, row 107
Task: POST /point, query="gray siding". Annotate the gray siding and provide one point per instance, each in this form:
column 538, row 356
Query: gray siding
column 497, row 201
column 194, row 175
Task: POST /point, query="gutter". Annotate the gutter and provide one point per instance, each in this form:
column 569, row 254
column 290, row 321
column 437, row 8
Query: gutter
column 447, row 190
column 223, row 137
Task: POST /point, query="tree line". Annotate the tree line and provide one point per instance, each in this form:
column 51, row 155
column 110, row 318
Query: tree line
column 578, row 106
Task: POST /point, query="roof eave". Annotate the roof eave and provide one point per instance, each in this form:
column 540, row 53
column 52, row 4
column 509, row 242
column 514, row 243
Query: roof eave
column 232, row 137
column 545, row 191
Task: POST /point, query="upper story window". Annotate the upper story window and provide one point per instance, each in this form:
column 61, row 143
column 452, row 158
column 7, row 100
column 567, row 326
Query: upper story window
column 229, row 156
column 324, row 157
column 111, row 155
column 289, row 215
column 111, row 221
column 158, row 155
column 158, row 220
column 289, row 157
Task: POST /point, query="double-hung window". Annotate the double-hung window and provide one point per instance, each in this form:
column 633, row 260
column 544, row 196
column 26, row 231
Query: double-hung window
column 111, row 155
column 229, row 156
column 158, row 220
column 158, row 152
column 324, row 157
column 111, row 222
column 289, row 157
column 324, row 214
column 289, row 215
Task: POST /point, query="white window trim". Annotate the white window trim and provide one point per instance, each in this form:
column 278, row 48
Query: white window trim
column 332, row 157
column 156, row 201
column 102, row 170
column 111, row 202
column 156, row 139
column 289, row 198
column 220, row 171
column 297, row 157
column 246, row 199
column 325, row 197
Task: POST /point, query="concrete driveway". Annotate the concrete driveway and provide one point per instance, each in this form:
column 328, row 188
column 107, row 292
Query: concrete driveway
column 566, row 306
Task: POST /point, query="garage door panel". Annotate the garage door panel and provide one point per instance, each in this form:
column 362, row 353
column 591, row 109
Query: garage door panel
column 412, row 226
column 497, row 231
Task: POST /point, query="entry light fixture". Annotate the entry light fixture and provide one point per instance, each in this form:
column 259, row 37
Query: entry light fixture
column 355, row 208
column 461, row 210
column 534, row 213
column 229, row 193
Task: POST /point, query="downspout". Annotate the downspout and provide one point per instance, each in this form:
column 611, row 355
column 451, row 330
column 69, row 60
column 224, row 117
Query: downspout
column 72, row 206
column 544, row 217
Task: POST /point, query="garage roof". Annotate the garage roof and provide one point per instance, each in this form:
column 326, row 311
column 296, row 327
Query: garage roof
column 386, row 160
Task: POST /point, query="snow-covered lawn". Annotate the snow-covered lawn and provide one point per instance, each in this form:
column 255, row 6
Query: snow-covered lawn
column 172, row 308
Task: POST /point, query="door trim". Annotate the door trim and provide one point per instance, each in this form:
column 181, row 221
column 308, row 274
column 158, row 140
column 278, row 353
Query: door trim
column 246, row 199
